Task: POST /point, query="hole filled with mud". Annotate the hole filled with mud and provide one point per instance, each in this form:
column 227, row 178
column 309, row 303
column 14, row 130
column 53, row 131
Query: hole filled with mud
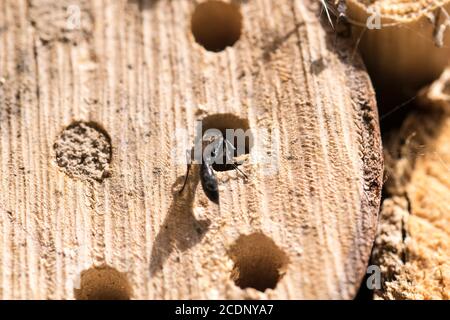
column 83, row 150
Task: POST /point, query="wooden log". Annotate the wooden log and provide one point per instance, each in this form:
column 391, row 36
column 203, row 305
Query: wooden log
column 93, row 97
column 413, row 243
column 405, row 44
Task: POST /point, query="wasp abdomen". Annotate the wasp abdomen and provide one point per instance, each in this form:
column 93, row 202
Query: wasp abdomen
column 209, row 182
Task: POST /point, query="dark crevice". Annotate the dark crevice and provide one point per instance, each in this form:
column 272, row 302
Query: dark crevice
column 403, row 255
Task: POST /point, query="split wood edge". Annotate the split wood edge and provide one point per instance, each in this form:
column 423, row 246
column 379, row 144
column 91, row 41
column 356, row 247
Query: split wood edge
column 412, row 248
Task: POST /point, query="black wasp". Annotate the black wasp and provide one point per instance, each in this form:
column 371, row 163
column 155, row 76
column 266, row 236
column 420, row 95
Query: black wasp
column 214, row 149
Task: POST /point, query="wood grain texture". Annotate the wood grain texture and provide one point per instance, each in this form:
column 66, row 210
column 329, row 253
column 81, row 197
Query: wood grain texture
column 413, row 242
column 134, row 71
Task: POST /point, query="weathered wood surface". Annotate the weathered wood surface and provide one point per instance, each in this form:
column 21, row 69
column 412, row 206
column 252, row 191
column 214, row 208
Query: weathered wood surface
column 88, row 178
column 413, row 243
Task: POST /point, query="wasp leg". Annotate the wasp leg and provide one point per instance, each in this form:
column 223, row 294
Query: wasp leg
column 240, row 171
column 185, row 178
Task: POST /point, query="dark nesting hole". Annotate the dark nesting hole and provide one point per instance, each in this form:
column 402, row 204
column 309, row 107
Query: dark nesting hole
column 103, row 283
column 236, row 130
column 258, row 262
column 216, row 25
column 364, row 293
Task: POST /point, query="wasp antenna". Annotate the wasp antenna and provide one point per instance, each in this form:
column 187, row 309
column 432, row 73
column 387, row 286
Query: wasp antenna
column 325, row 6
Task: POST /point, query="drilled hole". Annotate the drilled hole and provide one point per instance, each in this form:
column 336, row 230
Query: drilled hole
column 236, row 130
column 102, row 283
column 258, row 262
column 83, row 150
column 216, row 25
